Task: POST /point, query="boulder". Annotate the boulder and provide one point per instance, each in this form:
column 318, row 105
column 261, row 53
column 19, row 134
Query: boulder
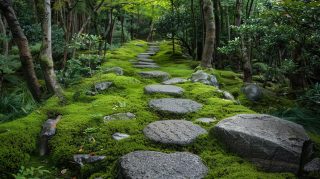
column 179, row 132
column 164, row 89
column 120, row 136
column 151, row 164
column 205, row 78
column 115, row 70
column 120, row 116
column 269, row 142
column 252, row 92
column 173, row 81
column 175, row 105
column 82, row 159
column 206, row 120
column 102, row 86
column 313, row 166
column 155, row 74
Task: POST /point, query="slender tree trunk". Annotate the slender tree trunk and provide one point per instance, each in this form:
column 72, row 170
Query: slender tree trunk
column 172, row 27
column 122, row 29
column 46, row 60
column 208, row 50
column 238, row 13
column 5, row 43
column 246, row 61
column 22, row 43
column 217, row 13
column 195, row 33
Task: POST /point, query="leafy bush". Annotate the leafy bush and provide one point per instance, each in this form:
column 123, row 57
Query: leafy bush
column 31, row 173
column 312, row 97
column 73, row 72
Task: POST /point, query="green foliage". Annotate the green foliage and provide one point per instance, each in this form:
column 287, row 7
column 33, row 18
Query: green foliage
column 31, row 173
column 312, row 97
column 85, row 42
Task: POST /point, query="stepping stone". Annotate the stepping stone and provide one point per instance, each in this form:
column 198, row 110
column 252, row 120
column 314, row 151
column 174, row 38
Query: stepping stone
column 119, row 136
column 81, row 159
column 271, row 143
column 148, row 53
column 206, row 120
column 179, row 132
column 116, row 70
column 119, row 116
column 151, row 164
column 102, row 86
column 205, row 78
column 146, row 66
column 173, row 81
column 146, row 60
column 143, row 56
column 175, row 105
column 155, row 74
column 164, row 89
column 144, row 63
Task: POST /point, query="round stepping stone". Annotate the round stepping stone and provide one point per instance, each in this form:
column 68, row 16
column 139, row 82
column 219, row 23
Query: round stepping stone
column 173, row 81
column 151, row 164
column 146, row 60
column 144, row 63
column 143, row 56
column 175, row 105
column 180, row 132
column 155, row 74
column 206, row 120
column 146, row 66
column 119, row 116
column 119, row 136
column 164, row 89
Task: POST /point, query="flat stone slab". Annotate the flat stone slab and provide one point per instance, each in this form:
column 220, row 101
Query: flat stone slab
column 269, row 142
column 146, row 60
column 143, row 56
column 119, row 116
column 155, row 74
column 115, row 70
column 120, row 136
column 148, row 53
column 144, row 63
column 179, row 132
column 151, row 164
column 146, row 66
column 164, row 89
column 175, row 105
column 173, row 81
column 206, row 120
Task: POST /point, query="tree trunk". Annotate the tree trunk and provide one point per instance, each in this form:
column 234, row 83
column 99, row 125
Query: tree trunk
column 46, row 60
column 217, row 13
column 5, row 43
column 246, row 61
column 172, row 27
column 23, row 45
column 195, row 33
column 238, row 13
column 208, row 49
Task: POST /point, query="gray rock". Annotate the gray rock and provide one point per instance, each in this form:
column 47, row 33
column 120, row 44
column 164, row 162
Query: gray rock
column 164, row 89
column 82, row 159
column 178, row 132
column 102, row 86
column 206, row 120
column 49, row 129
column 252, row 91
column 143, row 56
column 116, row 70
column 146, row 66
column 269, row 142
column 227, row 95
column 175, row 105
column 148, row 53
column 155, row 74
column 173, row 81
column 146, row 60
column 119, row 136
column 205, row 78
column 313, row 166
column 144, row 63
column 119, row 116
column 158, row 165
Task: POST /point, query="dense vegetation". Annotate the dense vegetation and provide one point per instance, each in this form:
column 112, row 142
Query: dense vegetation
column 53, row 52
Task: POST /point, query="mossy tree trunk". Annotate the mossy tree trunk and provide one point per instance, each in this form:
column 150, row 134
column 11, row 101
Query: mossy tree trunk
column 46, row 60
column 208, row 49
column 23, row 45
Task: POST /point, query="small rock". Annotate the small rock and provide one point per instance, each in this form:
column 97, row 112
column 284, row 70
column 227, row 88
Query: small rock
column 146, row 60
column 226, row 95
column 151, row 164
column 102, row 86
column 119, row 136
column 313, row 166
column 82, row 159
column 116, row 70
column 119, row 116
column 143, row 56
column 164, row 89
column 48, row 130
column 155, row 74
column 146, row 66
column 175, row 105
column 179, row 132
column 64, row 171
column 148, row 53
column 173, row 81
column 143, row 63
column 253, row 92
column 205, row 78
column 206, row 120
column 91, row 93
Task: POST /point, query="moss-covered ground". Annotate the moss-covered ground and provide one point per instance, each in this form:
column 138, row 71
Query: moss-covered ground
column 82, row 129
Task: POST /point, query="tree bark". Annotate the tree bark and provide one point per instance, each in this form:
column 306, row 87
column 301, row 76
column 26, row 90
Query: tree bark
column 46, row 60
column 195, row 33
column 238, row 13
column 208, row 50
column 5, row 43
column 172, row 27
column 246, row 61
column 217, row 13
column 23, row 45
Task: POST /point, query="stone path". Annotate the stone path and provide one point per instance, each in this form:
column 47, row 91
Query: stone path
column 174, row 105
column 164, row 89
column 144, row 60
